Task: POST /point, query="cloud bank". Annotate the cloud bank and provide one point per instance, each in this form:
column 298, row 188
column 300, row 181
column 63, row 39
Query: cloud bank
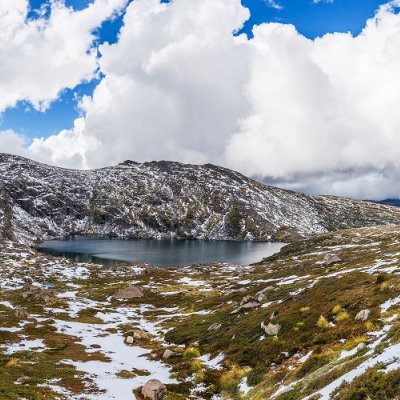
column 42, row 56
column 317, row 115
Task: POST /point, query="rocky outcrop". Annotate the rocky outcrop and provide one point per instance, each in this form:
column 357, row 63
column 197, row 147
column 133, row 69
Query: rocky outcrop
column 166, row 200
column 154, row 390
column 6, row 215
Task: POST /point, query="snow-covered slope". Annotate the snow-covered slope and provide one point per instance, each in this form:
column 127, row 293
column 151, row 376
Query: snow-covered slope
column 164, row 200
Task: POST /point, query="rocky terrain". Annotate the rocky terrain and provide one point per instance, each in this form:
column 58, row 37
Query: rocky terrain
column 319, row 320
column 165, row 200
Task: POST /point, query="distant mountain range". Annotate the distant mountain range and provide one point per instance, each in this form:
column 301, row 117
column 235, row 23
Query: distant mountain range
column 390, row 202
column 166, row 200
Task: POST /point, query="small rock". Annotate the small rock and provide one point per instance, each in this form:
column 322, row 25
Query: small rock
column 271, row 329
column 361, row 346
column 21, row 313
column 246, row 299
column 24, row 380
column 137, row 334
column 330, row 259
column 127, row 293
column 363, row 315
column 167, row 354
column 214, row 327
column 246, row 307
column 140, row 334
column 154, row 390
column 129, row 339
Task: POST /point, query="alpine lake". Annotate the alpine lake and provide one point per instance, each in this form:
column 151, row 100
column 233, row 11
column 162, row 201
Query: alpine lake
column 163, row 253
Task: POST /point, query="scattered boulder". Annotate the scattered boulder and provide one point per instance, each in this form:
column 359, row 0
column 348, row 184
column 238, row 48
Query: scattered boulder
column 127, row 293
column 363, row 315
column 154, row 390
column 330, row 259
column 24, row 380
column 21, row 313
column 214, row 327
column 271, row 329
column 129, row 339
column 361, row 346
column 137, row 334
column 43, row 295
column 167, row 354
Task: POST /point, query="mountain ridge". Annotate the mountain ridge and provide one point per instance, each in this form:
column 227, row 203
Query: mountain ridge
column 166, row 199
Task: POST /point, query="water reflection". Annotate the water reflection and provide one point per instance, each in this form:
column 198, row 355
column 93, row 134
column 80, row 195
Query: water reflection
column 159, row 252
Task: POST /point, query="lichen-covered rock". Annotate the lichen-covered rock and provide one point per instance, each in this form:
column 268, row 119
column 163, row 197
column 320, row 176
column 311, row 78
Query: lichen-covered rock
column 21, row 313
column 154, row 390
column 137, row 334
column 167, row 354
column 127, row 293
column 271, row 329
column 214, row 327
column 363, row 315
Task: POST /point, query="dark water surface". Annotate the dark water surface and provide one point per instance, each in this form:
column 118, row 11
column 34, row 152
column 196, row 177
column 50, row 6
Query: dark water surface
column 159, row 252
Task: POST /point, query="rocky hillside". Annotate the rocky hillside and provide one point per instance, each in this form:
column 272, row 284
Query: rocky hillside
column 165, row 200
column 319, row 320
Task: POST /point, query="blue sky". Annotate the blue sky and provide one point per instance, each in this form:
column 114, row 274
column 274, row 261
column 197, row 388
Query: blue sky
column 311, row 20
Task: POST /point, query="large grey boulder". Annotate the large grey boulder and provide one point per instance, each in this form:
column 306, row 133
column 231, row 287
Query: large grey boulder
column 127, row 293
column 154, row 390
column 363, row 315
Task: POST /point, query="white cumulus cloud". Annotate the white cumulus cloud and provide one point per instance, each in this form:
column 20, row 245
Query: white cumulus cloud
column 318, row 115
column 40, row 57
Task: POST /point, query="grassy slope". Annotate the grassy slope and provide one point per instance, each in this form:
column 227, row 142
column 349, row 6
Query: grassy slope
column 301, row 289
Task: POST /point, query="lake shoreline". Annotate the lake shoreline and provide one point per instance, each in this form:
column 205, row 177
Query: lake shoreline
column 158, row 252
